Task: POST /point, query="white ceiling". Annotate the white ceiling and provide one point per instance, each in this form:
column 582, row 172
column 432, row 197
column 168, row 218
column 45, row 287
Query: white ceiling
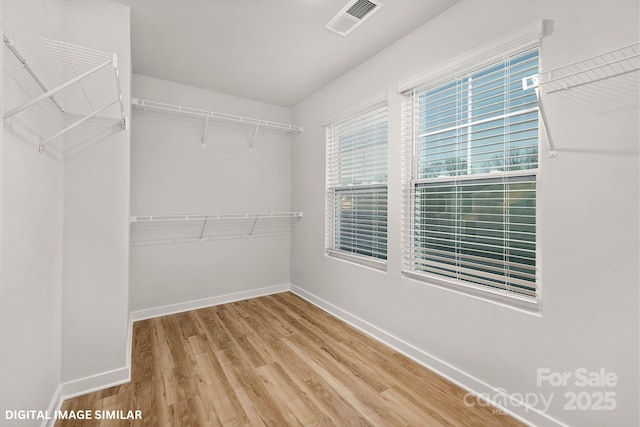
column 275, row 51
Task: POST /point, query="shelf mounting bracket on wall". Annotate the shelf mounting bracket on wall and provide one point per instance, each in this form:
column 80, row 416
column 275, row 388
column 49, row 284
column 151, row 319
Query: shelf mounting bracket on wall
column 65, row 64
column 204, row 133
column 27, row 67
column 253, row 139
column 123, row 123
column 534, row 82
column 204, row 227
column 253, row 226
column 76, row 124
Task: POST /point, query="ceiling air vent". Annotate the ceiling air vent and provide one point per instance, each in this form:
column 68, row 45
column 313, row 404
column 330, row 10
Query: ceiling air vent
column 352, row 15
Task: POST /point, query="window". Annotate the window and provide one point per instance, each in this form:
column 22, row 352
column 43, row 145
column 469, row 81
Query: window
column 356, row 187
column 471, row 165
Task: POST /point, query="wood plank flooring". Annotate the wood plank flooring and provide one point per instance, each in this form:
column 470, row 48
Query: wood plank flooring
column 276, row 361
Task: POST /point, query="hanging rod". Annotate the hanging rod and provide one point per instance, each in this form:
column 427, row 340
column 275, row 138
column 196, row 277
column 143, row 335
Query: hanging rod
column 55, row 66
column 177, row 110
column 613, row 63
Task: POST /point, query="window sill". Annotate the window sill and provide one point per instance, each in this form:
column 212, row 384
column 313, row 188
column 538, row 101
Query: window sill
column 501, row 298
column 379, row 265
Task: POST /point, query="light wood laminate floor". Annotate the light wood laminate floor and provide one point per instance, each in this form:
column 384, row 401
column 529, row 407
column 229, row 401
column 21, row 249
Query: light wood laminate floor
column 277, row 361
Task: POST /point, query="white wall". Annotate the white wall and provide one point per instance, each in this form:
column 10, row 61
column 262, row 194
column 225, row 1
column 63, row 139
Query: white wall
column 1, row 150
column 31, row 243
column 96, row 212
column 64, row 272
column 173, row 173
column 588, row 200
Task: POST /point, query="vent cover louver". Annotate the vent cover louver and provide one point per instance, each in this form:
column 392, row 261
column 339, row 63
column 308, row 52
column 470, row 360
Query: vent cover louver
column 352, row 15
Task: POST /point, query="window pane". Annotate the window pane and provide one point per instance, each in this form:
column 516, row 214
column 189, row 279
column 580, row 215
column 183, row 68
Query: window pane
column 474, row 181
column 361, row 221
column 478, row 231
column 362, row 150
column 357, row 184
column 481, row 123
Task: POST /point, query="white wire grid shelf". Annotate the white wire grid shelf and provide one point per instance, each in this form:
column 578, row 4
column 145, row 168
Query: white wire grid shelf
column 84, row 79
column 209, row 116
column 178, row 228
column 596, row 68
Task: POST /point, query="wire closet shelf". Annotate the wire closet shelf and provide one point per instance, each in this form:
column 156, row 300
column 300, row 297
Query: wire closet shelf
column 85, row 79
column 210, row 116
column 177, row 228
column 614, row 63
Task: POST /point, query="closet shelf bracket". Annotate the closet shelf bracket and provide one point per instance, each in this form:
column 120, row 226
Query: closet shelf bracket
column 76, row 124
column 123, row 122
column 534, row 82
column 253, row 139
column 253, row 226
column 27, row 67
column 204, row 133
column 204, row 227
column 50, row 93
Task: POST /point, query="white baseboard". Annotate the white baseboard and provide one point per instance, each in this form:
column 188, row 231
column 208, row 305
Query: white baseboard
column 96, row 382
column 129, row 342
column 71, row 389
column 206, row 302
column 56, row 404
column 527, row 414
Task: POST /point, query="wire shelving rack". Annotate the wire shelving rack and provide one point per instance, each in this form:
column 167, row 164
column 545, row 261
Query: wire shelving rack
column 64, row 73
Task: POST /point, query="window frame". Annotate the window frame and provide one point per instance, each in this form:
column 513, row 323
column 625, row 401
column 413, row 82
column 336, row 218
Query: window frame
column 332, row 189
column 511, row 46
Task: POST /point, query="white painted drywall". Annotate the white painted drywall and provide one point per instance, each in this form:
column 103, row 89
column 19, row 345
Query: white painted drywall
column 173, row 173
column 96, row 209
column 31, row 220
column 588, row 201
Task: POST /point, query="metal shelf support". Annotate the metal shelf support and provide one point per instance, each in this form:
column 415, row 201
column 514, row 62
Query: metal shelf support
column 534, row 82
column 27, row 67
column 253, row 226
column 68, row 128
column 204, row 226
column 204, row 134
column 253, row 139
column 52, row 92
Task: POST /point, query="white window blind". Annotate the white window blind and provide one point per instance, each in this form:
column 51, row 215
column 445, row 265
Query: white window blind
column 356, row 185
column 470, row 171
